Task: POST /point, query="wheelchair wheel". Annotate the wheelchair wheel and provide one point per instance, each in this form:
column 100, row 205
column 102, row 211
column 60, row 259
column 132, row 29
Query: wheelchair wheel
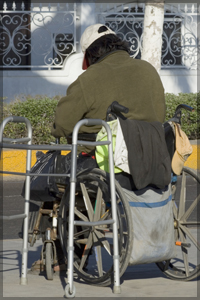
column 93, row 261
column 186, row 224
column 49, row 261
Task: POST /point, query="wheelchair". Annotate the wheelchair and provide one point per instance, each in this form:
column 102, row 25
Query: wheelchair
column 93, row 245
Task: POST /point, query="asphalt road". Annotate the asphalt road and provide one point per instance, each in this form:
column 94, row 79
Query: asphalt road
column 13, row 204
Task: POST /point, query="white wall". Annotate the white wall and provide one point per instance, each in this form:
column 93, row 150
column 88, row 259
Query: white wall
column 50, row 83
column 179, row 81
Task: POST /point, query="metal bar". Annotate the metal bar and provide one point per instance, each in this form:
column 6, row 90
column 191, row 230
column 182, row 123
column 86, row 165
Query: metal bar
column 71, row 215
column 8, row 140
column 13, row 119
column 34, row 11
column 34, row 174
column 187, row 223
column 24, row 265
column 50, row 147
column 36, row 147
column 87, row 201
column 93, row 143
column 14, row 217
column 116, row 288
column 44, row 67
column 83, row 223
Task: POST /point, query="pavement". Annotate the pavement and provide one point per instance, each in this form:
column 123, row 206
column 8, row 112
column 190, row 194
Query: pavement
column 139, row 281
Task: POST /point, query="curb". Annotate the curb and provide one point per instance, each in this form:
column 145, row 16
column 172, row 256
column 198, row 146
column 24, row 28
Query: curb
column 15, row 160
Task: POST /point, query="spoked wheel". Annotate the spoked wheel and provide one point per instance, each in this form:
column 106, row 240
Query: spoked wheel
column 93, row 260
column 186, row 208
column 49, row 261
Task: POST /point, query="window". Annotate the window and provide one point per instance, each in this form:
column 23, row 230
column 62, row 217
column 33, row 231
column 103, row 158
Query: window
column 15, row 37
column 129, row 26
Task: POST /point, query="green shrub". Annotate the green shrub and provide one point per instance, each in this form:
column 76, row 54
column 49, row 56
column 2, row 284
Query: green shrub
column 40, row 112
column 190, row 120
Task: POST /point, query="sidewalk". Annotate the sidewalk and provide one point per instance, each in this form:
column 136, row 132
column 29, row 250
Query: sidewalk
column 138, row 281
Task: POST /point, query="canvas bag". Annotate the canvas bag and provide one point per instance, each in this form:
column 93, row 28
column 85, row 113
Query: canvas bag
column 153, row 225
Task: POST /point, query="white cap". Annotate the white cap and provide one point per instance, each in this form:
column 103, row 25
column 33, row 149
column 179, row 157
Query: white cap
column 91, row 34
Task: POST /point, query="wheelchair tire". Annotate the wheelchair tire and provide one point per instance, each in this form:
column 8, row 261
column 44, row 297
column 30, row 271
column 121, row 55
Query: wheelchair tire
column 49, row 261
column 186, row 209
column 93, row 261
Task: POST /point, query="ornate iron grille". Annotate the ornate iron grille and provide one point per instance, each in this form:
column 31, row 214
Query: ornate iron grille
column 181, row 45
column 41, row 37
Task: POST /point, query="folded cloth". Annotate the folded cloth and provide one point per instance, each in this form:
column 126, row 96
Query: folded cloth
column 148, row 157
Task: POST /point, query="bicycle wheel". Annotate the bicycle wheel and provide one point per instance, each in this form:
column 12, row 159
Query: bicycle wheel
column 49, row 261
column 93, row 259
column 186, row 208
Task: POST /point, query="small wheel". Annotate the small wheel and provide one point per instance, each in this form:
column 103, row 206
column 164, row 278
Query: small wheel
column 68, row 294
column 93, row 259
column 186, row 223
column 49, row 261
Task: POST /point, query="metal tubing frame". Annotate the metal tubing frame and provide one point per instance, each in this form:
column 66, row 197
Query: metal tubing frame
column 27, row 192
column 70, row 260
column 73, row 148
column 29, row 147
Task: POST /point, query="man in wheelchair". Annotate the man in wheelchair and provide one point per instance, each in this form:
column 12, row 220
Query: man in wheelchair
column 111, row 75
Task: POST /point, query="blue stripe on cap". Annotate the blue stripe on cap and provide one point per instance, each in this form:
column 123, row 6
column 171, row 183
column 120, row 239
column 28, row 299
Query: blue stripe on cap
column 150, row 205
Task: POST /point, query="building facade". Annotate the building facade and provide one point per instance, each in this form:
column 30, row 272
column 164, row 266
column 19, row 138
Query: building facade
column 40, row 51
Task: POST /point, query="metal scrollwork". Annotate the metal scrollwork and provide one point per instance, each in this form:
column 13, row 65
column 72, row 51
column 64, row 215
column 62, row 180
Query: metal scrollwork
column 128, row 28
column 43, row 39
column 180, row 46
column 39, row 39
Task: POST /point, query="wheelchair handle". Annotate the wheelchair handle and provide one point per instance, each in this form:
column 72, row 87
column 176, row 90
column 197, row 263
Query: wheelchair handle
column 117, row 108
column 114, row 110
column 185, row 106
column 178, row 113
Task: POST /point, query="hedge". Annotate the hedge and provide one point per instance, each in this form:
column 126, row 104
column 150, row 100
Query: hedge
column 40, row 111
column 190, row 120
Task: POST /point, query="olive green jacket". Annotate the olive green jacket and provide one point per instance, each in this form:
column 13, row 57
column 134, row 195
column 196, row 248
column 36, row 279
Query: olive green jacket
column 117, row 77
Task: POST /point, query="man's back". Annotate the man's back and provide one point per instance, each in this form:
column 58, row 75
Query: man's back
column 111, row 76
column 133, row 83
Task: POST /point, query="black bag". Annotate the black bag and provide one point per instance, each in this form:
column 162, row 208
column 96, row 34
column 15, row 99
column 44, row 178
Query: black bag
column 43, row 188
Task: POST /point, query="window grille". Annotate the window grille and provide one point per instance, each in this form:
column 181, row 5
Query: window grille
column 36, row 37
column 180, row 48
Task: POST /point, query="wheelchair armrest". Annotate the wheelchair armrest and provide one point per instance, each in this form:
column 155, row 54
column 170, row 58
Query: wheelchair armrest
column 91, row 137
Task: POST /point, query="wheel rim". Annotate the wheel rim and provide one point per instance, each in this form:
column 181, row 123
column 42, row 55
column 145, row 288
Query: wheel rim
column 185, row 208
column 95, row 264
